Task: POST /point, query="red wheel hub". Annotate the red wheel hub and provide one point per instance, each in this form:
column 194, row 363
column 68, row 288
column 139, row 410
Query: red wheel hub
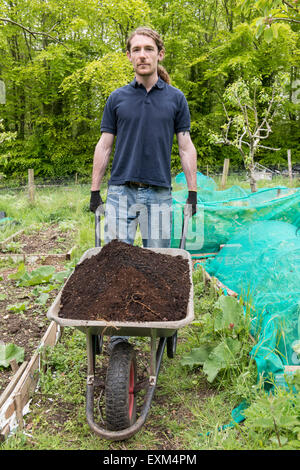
column 131, row 390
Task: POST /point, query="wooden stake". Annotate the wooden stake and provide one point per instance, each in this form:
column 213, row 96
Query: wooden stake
column 225, row 173
column 10, row 387
column 31, row 188
column 13, row 365
column 19, row 412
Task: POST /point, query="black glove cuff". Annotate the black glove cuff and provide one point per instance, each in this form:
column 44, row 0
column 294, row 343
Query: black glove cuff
column 192, row 199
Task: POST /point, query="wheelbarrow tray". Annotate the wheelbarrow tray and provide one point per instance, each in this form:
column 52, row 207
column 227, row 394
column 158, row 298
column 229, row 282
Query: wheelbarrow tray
column 102, row 327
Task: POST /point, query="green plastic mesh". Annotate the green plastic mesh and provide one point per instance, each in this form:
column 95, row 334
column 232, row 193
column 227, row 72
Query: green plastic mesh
column 262, row 264
column 256, row 241
column 222, row 214
column 203, row 181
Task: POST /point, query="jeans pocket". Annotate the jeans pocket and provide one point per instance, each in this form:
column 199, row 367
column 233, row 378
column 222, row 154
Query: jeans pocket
column 164, row 196
column 116, row 189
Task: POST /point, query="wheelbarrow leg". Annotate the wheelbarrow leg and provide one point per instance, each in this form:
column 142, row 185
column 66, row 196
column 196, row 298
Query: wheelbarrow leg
column 91, row 355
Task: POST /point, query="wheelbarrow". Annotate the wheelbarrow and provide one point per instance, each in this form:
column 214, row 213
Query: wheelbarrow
column 120, row 387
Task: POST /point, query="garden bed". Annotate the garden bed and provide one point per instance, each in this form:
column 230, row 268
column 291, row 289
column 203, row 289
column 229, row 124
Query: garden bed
column 23, row 320
column 50, row 241
column 30, row 280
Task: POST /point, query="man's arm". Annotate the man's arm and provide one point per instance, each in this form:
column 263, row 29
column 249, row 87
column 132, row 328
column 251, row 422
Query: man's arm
column 101, row 158
column 188, row 157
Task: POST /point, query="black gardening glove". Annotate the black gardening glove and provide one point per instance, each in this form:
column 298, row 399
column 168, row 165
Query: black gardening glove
column 95, row 201
column 192, row 199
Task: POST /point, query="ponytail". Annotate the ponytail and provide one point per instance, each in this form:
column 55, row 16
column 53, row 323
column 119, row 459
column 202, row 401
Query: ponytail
column 163, row 74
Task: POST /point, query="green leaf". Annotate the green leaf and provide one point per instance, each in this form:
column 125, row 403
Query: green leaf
column 222, row 357
column 287, row 421
column 230, row 315
column 37, row 276
column 60, row 276
column 17, row 308
column 10, row 351
column 42, row 299
column 268, row 35
column 260, row 30
column 197, row 356
column 19, row 274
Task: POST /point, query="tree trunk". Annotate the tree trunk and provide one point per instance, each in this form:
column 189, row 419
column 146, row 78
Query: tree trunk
column 251, row 169
column 252, row 182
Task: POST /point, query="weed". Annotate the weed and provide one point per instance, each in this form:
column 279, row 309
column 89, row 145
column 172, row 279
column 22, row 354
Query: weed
column 274, row 417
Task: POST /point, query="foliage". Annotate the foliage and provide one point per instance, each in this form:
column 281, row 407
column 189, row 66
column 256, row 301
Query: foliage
column 60, row 61
column 42, row 275
column 224, row 341
column 270, row 13
column 277, row 416
column 8, row 352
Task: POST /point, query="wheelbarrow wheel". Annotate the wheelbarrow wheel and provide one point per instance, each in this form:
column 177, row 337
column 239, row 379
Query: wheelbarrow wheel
column 120, row 399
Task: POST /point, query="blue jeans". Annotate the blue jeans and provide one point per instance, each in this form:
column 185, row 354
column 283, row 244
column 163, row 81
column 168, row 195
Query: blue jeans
column 128, row 205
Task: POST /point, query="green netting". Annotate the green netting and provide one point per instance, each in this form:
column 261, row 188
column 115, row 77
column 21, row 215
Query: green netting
column 260, row 260
column 262, row 264
column 222, row 214
column 202, row 181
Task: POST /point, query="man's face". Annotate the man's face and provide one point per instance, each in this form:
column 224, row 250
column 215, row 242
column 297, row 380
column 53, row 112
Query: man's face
column 144, row 55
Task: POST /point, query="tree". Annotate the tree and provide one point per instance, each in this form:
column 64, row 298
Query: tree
column 249, row 122
column 271, row 12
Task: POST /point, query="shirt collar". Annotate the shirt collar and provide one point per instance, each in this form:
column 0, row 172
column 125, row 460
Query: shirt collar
column 159, row 84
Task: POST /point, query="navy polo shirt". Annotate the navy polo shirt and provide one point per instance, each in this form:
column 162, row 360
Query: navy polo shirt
column 144, row 124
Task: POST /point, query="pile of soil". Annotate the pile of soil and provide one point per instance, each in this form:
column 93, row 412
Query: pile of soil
column 127, row 283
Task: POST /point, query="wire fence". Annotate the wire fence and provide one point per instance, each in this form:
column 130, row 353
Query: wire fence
column 21, row 183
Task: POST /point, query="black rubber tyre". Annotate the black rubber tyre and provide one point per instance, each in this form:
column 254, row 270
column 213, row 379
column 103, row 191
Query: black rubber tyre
column 120, row 399
column 171, row 345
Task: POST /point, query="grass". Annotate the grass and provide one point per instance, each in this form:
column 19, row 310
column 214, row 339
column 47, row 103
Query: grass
column 187, row 411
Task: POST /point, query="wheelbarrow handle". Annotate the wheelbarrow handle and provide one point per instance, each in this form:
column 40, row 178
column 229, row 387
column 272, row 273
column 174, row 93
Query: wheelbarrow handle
column 187, row 214
column 99, row 211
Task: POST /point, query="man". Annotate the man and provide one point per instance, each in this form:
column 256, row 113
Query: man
column 143, row 116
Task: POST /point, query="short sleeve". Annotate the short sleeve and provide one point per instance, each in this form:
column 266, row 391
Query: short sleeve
column 108, row 123
column 183, row 117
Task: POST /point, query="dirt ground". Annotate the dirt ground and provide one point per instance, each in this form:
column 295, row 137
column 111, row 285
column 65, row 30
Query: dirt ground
column 26, row 323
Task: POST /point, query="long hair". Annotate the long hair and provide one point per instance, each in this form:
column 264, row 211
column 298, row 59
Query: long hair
column 143, row 30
